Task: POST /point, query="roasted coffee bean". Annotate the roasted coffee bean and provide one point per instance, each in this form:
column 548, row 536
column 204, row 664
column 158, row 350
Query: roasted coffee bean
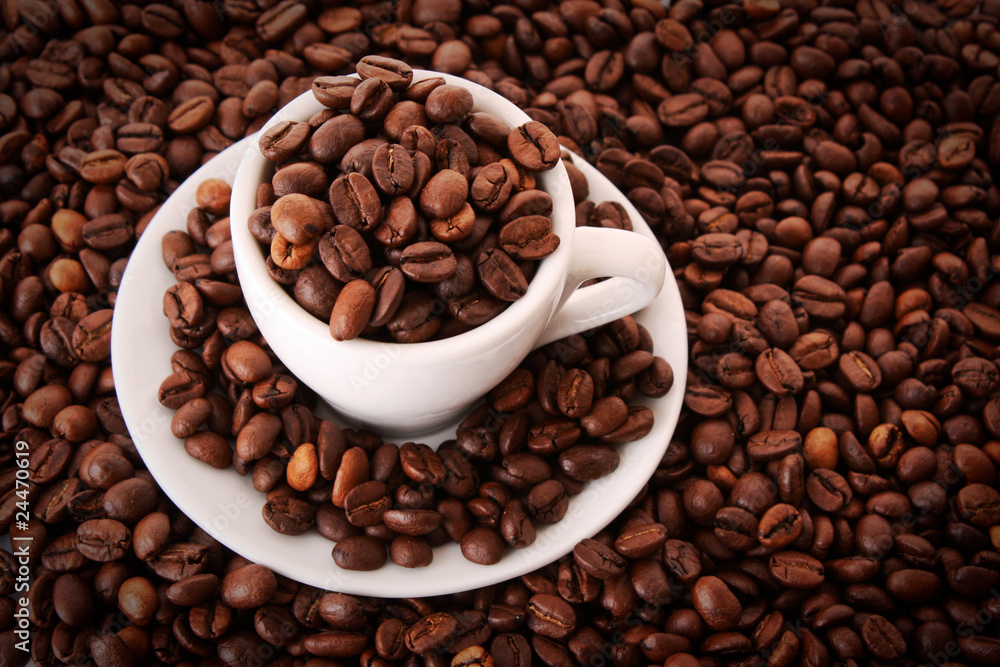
column 780, row 526
column 586, row 463
column 778, row 372
column 342, row 612
column 638, row 424
column 332, row 91
column 456, row 227
column 411, row 552
column 430, row 633
column 736, row 528
column 283, row 140
column 796, row 570
column 641, row 541
column 550, row 616
column 400, row 223
column 183, row 305
column 103, row 540
column 371, row 100
column 288, row 515
column 396, row 73
column 248, row 587
column 819, row 297
column 715, row 603
column 133, row 138
column 412, row 522
column 331, row 140
column 299, row 218
column 501, row 277
column 860, row 371
column 344, row 253
column 392, row 169
column 828, row 490
column 335, row 644
column 475, row 307
column 516, row 525
column 191, row 115
column 492, row 187
column 598, row 560
column 683, row 110
column 106, row 166
column 526, row 203
column 773, row 445
column 977, row 504
column 107, row 233
column 533, row 146
column 882, row 638
column 314, row 288
column 483, row 546
column 528, row 237
column 366, row 503
column 181, row 387
column 352, row 309
column 355, row 202
column 448, row 104
column 427, row 262
column 548, row 502
column 444, row 194
column 605, row 415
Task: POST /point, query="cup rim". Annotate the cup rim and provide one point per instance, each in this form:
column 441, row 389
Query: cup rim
column 544, row 289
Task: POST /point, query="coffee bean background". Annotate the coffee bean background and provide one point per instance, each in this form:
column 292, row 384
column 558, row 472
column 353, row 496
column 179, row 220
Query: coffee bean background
column 821, row 174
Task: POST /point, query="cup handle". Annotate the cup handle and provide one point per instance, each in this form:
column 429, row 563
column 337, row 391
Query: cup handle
column 638, row 267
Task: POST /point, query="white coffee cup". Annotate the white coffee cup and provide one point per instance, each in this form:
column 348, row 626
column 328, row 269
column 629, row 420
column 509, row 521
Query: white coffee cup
column 411, row 389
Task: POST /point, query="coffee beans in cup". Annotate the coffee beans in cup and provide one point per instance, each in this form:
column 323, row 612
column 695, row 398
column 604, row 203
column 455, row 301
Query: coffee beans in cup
column 399, row 213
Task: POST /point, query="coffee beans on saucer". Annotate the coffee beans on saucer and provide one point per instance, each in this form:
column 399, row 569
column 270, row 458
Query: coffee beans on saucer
column 515, row 463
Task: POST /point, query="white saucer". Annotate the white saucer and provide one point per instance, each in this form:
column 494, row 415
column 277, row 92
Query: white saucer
column 227, row 506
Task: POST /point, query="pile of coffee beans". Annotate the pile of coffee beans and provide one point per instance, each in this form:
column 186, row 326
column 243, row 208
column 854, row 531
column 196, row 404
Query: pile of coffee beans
column 516, row 460
column 821, row 173
column 397, row 213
